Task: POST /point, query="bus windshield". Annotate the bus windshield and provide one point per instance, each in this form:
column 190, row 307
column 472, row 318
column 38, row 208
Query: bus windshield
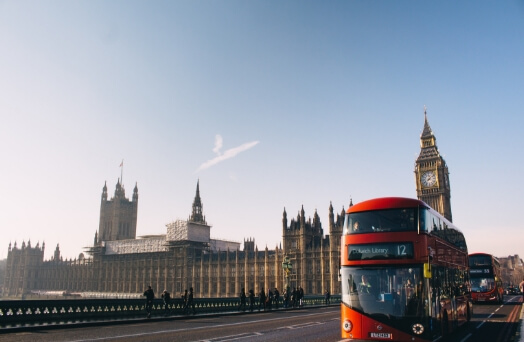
column 482, row 284
column 480, row 260
column 385, row 293
column 381, row 221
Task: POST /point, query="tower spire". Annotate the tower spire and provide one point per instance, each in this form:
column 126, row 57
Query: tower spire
column 427, row 133
column 197, row 215
column 135, row 192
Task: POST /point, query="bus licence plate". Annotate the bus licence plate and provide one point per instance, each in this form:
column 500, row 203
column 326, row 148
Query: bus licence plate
column 380, row 335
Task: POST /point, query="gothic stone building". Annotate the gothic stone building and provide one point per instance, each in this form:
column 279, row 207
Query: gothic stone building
column 186, row 256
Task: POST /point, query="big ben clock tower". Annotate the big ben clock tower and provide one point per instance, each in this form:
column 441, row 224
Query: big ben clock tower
column 431, row 174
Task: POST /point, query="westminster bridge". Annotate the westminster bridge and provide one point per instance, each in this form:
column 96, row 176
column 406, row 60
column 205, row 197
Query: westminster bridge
column 31, row 313
column 489, row 323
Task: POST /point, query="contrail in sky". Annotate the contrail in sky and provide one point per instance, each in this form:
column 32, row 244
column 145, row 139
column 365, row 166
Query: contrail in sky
column 232, row 152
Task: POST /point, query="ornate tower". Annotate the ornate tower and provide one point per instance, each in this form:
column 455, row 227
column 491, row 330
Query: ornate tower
column 431, row 174
column 22, row 269
column 336, row 225
column 301, row 234
column 118, row 216
column 197, row 215
column 335, row 233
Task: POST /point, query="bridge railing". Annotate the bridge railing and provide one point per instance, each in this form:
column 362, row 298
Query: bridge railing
column 16, row 313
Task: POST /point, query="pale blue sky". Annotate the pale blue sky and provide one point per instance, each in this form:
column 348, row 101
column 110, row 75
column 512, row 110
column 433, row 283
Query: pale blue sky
column 316, row 101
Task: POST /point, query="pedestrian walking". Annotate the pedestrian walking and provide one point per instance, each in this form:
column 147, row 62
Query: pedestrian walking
column 521, row 287
column 262, row 300
column 150, row 295
column 242, row 305
column 328, row 296
column 184, row 301
column 166, row 296
column 269, row 299
column 287, row 297
column 190, row 303
column 251, row 300
column 277, row 297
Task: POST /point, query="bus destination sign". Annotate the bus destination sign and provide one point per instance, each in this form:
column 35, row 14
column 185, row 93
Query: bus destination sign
column 380, row 251
column 482, row 271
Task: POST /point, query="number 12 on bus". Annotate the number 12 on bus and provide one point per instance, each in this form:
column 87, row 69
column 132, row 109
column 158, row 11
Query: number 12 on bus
column 404, row 272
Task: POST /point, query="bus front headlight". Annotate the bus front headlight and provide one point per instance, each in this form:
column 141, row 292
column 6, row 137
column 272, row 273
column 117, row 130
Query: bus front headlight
column 348, row 326
column 418, row 328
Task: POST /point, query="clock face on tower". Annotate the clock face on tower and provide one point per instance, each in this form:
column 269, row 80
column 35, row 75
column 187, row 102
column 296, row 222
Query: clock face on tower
column 428, row 179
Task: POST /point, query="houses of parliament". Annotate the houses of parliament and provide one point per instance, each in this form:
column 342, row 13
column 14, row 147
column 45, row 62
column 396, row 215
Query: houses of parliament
column 186, row 256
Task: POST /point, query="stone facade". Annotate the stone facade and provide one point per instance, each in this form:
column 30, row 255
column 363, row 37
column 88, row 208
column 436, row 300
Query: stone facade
column 118, row 216
column 512, row 270
column 184, row 257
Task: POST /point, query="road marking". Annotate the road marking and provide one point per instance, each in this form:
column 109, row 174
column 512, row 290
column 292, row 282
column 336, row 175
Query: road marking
column 233, row 337
column 303, row 325
column 507, row 328
column 466, row 337
column 486, row 320
column 149, row 333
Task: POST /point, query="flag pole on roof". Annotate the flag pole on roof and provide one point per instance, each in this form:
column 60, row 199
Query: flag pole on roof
column 122, row 172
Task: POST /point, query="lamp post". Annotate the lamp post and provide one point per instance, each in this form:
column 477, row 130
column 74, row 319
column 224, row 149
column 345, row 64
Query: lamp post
column 287, row 266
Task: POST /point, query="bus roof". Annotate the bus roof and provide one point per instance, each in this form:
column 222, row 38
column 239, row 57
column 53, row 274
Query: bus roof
column 450, row 233
column 480, row 253
column 386, row 203
column 483, row 254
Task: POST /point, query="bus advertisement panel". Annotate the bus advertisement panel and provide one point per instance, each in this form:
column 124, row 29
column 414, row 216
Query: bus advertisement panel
column 404, row 272
column 486, row 281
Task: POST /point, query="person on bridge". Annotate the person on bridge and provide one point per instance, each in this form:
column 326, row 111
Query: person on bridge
column 251, row 300
column 269, row 299
column 190, row 303
column 242, row 305
column 150, row 295
column 521, row 286
column 327, row 297
column 277, row 297
column 262, row 300
column 287, row 297
column 294, row 297
column 166, row 296
column 184, row 301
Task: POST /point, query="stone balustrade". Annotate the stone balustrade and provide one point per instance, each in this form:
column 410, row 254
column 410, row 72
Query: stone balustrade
column 19, row 313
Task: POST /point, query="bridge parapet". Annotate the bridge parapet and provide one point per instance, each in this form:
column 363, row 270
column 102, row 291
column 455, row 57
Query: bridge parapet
column 19, row 313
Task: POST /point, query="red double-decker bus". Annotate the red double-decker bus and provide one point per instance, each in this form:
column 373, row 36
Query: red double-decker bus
column 404, row 272
column 486, row 281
